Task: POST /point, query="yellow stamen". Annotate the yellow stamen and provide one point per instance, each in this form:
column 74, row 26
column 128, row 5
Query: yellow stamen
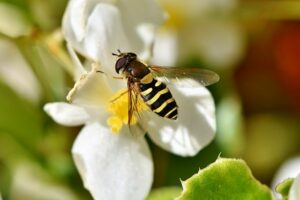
column 115, row 123
column 118, row 107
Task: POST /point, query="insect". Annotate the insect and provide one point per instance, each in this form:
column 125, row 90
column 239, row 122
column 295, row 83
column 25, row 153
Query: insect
column 144, row 81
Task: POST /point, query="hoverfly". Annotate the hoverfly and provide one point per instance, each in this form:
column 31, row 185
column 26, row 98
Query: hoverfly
column 144, row 81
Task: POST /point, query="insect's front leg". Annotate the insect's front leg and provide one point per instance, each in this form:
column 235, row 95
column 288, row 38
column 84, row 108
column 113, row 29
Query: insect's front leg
column 130, row 86
column 136, row 87
column 114, row 77
column 123, row 93
column 118, row 77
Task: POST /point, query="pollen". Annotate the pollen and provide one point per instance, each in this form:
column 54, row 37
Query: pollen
column 118, row 107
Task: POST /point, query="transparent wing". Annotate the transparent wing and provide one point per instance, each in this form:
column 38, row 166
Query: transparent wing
column 173, row 74
column 133, row 98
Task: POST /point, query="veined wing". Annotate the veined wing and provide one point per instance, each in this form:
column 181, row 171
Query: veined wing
column 133, row 112
column 173, row 74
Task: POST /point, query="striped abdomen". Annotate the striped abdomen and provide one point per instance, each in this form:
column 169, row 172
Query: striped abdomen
column 159, row 98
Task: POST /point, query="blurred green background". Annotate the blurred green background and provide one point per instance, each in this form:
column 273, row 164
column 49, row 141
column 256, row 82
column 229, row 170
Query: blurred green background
column 253, row 45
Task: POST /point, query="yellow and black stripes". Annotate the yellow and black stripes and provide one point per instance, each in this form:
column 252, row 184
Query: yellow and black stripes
column 159, row 98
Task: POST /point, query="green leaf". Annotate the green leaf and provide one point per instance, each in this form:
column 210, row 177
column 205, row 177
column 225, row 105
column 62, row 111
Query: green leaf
column 167, row 193
column 19, row 118
column 284, row 187
column 224, row 179
column 13, row 22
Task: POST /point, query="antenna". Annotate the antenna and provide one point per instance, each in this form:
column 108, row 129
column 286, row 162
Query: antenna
column 119, row 53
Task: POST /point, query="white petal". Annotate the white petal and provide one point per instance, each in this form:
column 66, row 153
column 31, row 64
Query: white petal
column 78, row 67
column 67, row 114
column 98, row 28
column 135, row 18
column 75, row 17
column 104, row 34
column 91, row 90
column 294, row 193
column 73, row 30
column 195, row 126
column 147, row 33
column 165, row 48
column 77, row 9
column 113, row 166
column 289, row 169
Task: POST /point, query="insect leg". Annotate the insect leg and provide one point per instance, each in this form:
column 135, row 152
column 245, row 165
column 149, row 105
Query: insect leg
column 114, row 77
column 123, row 93
column 118, row 77
column 130, row 103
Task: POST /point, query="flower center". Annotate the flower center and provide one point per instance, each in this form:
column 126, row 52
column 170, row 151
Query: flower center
column 118, row 107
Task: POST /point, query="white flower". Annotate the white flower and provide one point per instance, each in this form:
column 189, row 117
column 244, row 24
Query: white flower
column 96, row 28
column 119, row 166
column 30, row 181
column 16, row 73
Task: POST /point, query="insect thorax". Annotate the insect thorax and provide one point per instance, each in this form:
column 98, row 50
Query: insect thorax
column 137, row 70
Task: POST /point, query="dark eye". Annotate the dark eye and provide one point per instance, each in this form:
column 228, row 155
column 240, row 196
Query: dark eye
column 120, row 64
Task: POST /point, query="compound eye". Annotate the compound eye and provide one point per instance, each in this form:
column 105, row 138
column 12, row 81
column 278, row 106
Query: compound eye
column 120, row 64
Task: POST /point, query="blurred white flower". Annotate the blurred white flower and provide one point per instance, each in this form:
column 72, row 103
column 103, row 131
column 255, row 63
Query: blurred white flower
column 165, row 48
column 219, row 43
column 206, row 29
column 16, row 72
column 190, row 10
column 289, row 169
column 119, row 166
column 294, row 193
column 32, row 182
column 13, row 21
